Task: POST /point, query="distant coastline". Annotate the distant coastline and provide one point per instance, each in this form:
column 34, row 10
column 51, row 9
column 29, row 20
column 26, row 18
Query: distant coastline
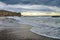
column 9, row 13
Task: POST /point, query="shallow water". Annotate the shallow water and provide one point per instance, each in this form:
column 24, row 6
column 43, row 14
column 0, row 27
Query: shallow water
column 36, row 21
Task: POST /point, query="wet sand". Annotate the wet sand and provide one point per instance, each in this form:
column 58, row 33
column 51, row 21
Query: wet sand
column 18, row 32
column 21, row 33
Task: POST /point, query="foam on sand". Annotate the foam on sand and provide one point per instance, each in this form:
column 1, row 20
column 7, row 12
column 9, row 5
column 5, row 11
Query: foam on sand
column 8, row 22
column 48, row 31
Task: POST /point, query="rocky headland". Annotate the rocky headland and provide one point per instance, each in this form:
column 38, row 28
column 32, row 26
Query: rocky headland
column 9, row 13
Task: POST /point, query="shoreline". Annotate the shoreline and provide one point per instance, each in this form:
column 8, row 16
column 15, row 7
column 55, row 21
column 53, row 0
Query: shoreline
column 21, row 32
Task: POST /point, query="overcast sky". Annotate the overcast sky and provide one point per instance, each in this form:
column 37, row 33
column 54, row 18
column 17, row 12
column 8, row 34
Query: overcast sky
column 26, row 7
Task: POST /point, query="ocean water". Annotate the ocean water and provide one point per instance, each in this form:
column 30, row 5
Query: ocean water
column 36, row 20
column 45, row 26
column 40, row 20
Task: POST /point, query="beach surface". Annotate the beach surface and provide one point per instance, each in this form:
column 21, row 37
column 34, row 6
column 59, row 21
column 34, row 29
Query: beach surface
column 10, row 29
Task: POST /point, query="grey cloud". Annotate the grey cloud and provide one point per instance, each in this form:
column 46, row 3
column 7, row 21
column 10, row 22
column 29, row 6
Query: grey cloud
column 36, row 2
column 19, row 7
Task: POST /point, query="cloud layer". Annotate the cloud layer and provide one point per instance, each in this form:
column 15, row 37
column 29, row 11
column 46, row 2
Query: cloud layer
column 36, row 2
column 19, row 7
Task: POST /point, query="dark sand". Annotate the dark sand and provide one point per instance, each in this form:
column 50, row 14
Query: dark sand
column 21, row 33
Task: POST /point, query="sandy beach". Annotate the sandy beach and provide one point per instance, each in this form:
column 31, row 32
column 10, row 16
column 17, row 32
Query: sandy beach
column 10, row 29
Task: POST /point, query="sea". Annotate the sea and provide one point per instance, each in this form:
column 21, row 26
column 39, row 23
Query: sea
column 45, row 26
column 37, row 20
